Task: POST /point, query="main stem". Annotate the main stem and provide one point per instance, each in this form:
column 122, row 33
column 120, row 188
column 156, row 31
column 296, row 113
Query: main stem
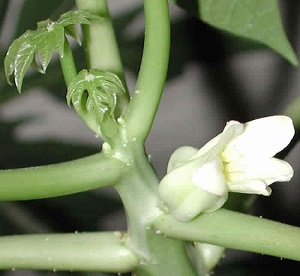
column 158, row 254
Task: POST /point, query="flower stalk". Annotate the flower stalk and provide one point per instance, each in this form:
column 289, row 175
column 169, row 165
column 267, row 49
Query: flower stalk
column 237, row 231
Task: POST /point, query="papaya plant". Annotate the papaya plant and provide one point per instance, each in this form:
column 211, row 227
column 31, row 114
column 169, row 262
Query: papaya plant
column 182, row 223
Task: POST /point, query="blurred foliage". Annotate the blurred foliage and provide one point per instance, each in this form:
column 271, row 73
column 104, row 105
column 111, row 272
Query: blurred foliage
column 86, row 211
column 252, row 19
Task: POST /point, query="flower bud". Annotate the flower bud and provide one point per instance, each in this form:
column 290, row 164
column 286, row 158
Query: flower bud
column 193, row 187
column 240, row 159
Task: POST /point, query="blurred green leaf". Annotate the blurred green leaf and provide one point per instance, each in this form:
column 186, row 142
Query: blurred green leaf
column 259, row 20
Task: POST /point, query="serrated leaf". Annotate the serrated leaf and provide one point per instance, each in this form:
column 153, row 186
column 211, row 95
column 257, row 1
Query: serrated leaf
column 23, row 60
column 44, row 24
column 9, row 61
column 36, row 66
column 93, row 83
column 50, row 40
column 73, row 32
column 259, row 20
column 71, row 18
column 49, row 37
column 76, row 17
column 94, row 95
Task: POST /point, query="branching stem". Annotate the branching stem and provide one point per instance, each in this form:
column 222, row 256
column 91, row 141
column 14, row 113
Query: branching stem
column 238, row 231
column 60, row 179
column 105, row 252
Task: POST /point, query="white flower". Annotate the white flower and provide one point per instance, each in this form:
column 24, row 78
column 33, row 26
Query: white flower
column 240, row 159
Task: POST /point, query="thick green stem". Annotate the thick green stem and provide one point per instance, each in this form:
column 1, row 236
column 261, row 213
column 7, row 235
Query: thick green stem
column 238, row 231
column 152, row 75
column 104, row 252
column 99, row 39
column 61, row 179
column 158, row 254
column 67, row 64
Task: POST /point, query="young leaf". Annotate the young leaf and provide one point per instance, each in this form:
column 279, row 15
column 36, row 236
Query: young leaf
column 76, row 17
column 95, row 95
column 9, row 61
column 23, row 60
column 254, row 19
column 21, row 53
column 71, row 18
column 49, row 37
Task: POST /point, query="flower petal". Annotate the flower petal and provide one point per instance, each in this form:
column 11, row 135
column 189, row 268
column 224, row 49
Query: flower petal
column 177, row 185
column 196, row 203
column 215, row 146
column 186, row 199
column 261, row 138
column 250, row 187
column 210, row 177
column 268, row 170
column 180, row 156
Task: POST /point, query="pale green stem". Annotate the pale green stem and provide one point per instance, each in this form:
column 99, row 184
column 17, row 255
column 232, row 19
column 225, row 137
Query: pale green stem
column 67, row 64
column 99, row 39
column 103, row 252
column 138, row 190
column 153, row 70
column 238, row 231
column 60, row 179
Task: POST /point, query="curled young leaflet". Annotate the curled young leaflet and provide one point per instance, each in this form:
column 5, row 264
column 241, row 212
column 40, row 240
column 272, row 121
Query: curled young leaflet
column 240, row 159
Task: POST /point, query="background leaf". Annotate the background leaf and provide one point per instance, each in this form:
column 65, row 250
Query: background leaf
column 259, row 20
